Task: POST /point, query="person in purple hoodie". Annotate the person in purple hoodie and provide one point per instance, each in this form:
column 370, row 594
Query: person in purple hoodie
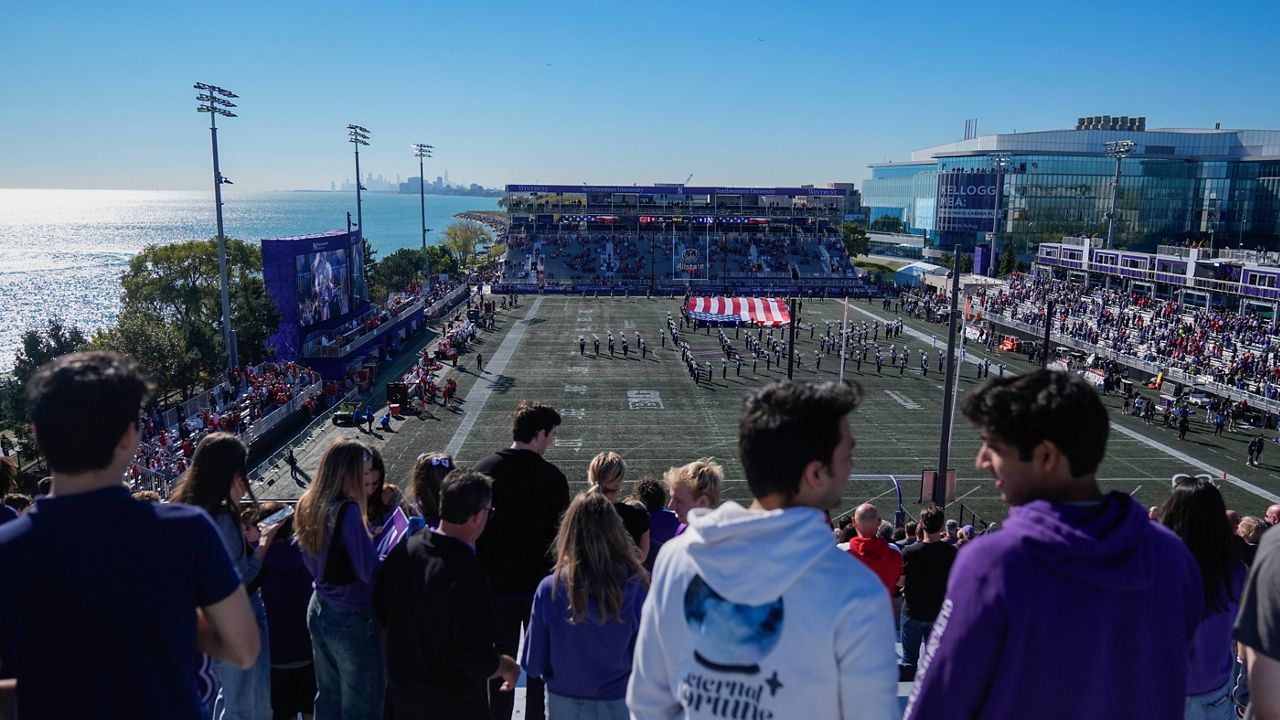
column 1042, row 618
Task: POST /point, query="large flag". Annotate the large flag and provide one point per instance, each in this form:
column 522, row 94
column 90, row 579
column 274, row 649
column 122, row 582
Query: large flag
column 763, row 311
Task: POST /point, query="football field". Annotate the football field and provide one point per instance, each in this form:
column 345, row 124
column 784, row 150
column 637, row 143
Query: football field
column 652, row 413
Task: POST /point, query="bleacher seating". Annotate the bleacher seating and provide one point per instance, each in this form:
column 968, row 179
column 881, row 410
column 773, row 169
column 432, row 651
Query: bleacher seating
column 627, row 257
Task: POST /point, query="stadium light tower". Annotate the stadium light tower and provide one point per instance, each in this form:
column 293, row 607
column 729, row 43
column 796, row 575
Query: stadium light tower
column 1118, row 149
column 217, row 101
column 358, row 136
column 1000, row 163
column 421, row 152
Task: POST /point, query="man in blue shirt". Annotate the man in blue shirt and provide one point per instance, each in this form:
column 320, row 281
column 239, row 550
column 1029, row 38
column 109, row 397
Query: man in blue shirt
column 107, row 599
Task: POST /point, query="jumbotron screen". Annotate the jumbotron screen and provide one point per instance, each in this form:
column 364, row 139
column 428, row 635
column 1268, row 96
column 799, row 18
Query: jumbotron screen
column 323, row 286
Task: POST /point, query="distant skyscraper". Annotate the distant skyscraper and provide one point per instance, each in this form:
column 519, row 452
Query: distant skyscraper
column 330, row 186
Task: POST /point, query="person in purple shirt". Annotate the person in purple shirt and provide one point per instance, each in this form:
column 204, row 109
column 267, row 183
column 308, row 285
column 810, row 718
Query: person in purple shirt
column 586, row 614
column 346, row 637
column 106, row 599
column 1042, row 618
column 662, row 522
column 286, row 593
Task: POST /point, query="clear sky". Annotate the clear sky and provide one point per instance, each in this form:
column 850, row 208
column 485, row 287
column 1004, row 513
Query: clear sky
column 98, row 95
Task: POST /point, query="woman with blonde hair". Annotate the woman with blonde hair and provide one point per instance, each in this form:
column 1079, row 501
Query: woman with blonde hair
column 586, row 614
column 604, row 475
column 331, row 529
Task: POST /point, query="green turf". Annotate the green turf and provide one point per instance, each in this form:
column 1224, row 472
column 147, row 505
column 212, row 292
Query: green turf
column 607, row 403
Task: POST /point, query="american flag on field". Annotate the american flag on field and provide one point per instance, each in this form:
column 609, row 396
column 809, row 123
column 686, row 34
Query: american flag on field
column 769, row 312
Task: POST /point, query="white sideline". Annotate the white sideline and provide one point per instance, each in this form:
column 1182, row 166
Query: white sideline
column 497, row 365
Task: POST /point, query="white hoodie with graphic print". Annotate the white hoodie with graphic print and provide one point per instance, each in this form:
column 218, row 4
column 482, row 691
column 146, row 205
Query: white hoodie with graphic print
column 758, row 615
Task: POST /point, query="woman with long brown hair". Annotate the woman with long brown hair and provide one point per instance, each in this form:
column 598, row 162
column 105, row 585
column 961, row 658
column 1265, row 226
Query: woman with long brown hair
column 586, row 614
column 331, row 529
column 217, row 481
column 1196, row 511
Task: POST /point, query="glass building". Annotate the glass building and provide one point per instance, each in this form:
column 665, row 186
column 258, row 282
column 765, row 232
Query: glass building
column 1177, row 186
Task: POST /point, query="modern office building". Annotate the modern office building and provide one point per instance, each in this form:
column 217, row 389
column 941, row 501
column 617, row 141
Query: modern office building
column 1176, row 186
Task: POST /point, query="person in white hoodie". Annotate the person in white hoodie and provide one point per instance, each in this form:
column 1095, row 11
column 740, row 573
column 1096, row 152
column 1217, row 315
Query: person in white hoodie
column 753, row 612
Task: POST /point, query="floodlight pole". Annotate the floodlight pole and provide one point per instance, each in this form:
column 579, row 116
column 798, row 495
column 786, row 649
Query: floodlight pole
column 791, row 343
column 1048, row 328
column 1118, row 149
column 358, row 136
column 423, row 151
column 216, row 103
column 948, row 392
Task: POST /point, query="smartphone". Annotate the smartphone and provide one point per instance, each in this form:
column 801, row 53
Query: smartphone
column 278, row 516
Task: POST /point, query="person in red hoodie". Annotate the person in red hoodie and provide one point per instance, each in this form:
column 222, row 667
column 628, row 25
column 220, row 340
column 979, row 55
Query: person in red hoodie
column 884, row 560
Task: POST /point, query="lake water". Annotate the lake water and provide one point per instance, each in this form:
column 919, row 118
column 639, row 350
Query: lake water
column 62, row 251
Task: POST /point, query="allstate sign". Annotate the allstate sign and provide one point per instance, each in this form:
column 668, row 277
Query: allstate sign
column 967, row 202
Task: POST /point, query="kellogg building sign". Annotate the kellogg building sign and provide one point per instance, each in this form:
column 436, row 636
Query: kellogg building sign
column 967, row 202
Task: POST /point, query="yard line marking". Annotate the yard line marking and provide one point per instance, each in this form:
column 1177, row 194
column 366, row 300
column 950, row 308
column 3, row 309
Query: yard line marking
column 903, row 400
column 1135, row 435
column 497, row 365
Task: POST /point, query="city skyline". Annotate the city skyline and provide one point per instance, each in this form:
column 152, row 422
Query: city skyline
column 732, row 94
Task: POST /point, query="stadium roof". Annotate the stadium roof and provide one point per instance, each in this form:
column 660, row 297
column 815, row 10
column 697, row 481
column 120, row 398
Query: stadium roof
column 678, row 190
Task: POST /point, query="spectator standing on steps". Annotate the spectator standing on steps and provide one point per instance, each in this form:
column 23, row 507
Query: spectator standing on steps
column 529, row 496
column 755, row 609
column 73, row 650
column 1073, row 573
column 925, row 568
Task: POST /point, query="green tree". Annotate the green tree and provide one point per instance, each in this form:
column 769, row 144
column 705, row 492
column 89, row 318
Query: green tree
column 37, row 348
column 395, row 272
column 179, row 284
column 496, row 251
column 461, row 238
column 856, row 241
column 1008, row 261
column 442, row 261
column 158, row 347
column 887, row 223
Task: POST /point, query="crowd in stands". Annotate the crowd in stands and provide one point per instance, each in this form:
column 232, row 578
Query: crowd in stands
column 365, row 602
column 246, row 395
column 625, row 256
column 1232, row 348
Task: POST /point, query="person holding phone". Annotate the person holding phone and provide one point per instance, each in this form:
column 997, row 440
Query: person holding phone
column 217, row 482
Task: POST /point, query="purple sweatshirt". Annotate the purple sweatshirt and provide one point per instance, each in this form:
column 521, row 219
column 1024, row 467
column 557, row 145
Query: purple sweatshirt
column 586, row 661
column 356, row 596
column 1071, row 610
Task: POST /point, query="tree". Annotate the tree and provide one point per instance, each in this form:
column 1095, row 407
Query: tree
column 158, row 347
column 442, row 261
column 395, row 272
column 496, row 251
column 37, row 348
column 856, row 241
column 179, row 284
column 1008, row 262
column 887, row 223
column 461, row 238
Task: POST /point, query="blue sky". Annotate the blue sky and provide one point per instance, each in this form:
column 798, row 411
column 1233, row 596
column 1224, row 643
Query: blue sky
column 99, row 94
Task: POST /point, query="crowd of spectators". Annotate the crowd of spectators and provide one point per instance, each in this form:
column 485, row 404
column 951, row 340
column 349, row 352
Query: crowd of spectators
column 378, row 605
column 1231, row 348
column 236, row 405
column 609, row 257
